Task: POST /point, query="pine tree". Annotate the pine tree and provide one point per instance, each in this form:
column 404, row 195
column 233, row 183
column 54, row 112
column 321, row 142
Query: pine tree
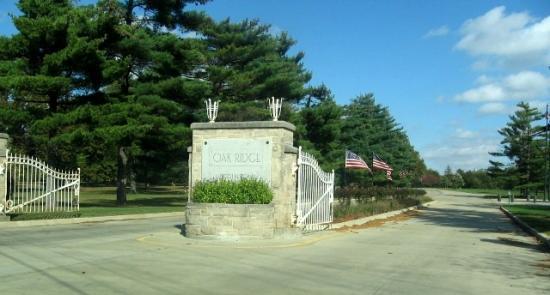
column 46, row 68
column 120, row 88
column 368, row 128
column 522, row 145
column 319, row 132
column 146, row 85
column 246, row 62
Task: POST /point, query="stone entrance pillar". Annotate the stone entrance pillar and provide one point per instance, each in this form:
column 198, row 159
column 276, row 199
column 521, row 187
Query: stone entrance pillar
column 273, row 140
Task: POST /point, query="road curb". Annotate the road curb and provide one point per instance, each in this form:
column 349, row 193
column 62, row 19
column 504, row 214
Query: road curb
column 45, row 222
column 540, row 236
column 364, row 220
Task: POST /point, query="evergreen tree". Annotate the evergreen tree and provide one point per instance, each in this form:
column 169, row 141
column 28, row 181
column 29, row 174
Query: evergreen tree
column 119, row 88
column 368, row 128
column 447, row 178
column 113, row 87
column 477, row 179
column 145, row 123
column 246, row 62
column 523, row 146
column 319, row 132
column 46, row 68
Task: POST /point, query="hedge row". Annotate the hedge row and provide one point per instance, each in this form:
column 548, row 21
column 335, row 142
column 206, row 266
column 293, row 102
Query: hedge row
column 244, row 191
column 358, row 193
column 347, row 211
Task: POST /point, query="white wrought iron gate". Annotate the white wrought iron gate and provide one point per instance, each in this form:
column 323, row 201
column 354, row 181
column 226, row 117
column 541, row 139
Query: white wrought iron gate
column 315, row 193
column 32, row 186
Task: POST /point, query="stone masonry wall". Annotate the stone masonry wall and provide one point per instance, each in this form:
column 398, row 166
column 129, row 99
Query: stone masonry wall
column 229, row 221
column 283, row 159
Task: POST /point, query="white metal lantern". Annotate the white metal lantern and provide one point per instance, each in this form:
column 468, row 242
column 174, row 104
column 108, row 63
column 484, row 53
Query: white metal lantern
column 275, row 105
column 212, row 109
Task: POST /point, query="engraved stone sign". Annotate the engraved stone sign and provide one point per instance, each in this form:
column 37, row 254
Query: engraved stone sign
column 235, row 159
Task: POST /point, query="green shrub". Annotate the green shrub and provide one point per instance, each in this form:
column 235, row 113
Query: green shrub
column 361, row 193
column 244, row 191
column 345, row 209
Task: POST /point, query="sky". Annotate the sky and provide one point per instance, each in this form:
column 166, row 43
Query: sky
column 450, row 71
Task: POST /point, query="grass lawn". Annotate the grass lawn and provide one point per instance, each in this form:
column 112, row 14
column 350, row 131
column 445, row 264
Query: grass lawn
column 492, row 193
column 485, row 191
column 538, row 217
column 101, row 201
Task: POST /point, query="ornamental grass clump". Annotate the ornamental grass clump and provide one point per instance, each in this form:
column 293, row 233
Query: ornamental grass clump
column 244, row 191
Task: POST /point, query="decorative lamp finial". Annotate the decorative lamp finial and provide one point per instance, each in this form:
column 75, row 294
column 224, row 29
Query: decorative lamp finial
column 212, row 109
column 275, row 105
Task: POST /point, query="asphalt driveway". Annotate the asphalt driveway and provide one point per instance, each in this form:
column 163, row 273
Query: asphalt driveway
column 459, row 245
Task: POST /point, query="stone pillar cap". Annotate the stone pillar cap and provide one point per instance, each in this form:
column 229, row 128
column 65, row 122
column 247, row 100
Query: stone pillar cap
column 244, row 125
column 4, row 135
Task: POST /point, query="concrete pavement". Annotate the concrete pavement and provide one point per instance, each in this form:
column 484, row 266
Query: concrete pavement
column 98, row 219
column 460, row 245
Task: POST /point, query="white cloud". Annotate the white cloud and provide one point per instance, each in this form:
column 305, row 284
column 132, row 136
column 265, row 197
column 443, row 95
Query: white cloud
column 483, row 79
column 463, row 133
column 437, row 32
column 494, row 108
column 525, row 85
column 516, row 39
column 470, row 152
column 499, row 108
column 481, row 65
column 488, row 92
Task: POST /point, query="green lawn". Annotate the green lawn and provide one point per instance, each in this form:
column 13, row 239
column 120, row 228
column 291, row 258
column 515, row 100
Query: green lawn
column 485, row 191
column 101, row 201
column 538, row 217
column 492, row 193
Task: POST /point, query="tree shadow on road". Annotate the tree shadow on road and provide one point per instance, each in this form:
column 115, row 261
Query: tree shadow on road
column 473, row 220
column 515, row 243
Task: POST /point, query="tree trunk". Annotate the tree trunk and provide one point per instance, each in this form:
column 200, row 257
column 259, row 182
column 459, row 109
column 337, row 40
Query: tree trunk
column 122, row 163
column 528, row 162
column 132, row 175
column 129, row 15
column 52, row 103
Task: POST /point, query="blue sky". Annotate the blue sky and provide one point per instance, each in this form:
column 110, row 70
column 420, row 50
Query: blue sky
column 450, row 71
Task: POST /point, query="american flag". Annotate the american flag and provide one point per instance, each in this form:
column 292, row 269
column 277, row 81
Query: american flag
column 388, row 174
column 354, row 161
column 377, row 163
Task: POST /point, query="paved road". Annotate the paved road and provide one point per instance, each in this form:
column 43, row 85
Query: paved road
column 460, row 245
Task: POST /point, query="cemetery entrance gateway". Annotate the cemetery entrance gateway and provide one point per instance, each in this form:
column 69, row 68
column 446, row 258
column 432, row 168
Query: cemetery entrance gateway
column 315, row 193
